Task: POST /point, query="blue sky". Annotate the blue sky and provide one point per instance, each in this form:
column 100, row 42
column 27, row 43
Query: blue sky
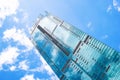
column 19, row 60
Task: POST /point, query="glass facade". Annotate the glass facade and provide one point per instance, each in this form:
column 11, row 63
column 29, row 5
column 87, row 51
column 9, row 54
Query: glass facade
column 73, row 54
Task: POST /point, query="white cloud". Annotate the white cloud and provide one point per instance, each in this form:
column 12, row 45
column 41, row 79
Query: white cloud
column 109, row 8
column 25, row 16
column 23, row 65
column 105, row 36
column 45, row 66
column 8, row 56
column 15, row 19
column 54, row 54
column 19, row 36
column 119, row 8
column 116, row 5
column 12, row 68
column 37, row 79
column 28, row 77
column 1, row 22
column 7, row 8
column 53, row 77
column 89, row 24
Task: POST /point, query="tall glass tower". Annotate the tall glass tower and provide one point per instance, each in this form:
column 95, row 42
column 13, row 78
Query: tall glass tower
column 73, row 54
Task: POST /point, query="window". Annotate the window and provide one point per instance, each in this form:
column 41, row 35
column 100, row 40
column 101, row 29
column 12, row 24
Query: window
column 73, row 72
column 66, row 37
column 108, row 68
column 78, row 50
column 47, row 24
column 39, row 38
column 55, row 54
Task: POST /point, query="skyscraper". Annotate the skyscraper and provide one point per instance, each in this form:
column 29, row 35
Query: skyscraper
column 73, row 54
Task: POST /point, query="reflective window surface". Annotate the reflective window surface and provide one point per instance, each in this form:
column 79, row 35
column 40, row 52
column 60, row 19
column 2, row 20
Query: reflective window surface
column 55, row 54
column 76, row 31
column 66, row 37
column 73, row 72
column 47, row 24
column 39, row 38
column 87, row 59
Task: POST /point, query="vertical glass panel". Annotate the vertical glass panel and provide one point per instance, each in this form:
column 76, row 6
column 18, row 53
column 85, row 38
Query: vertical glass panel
column 56, row 70
column 87, row 57
column 114, row 71
column 85, row 77
column 75, row 30
column 55, row 54
column 66, row 37
column 47, row 24
column 38, row 38
column 73, row 72
column 55, row 19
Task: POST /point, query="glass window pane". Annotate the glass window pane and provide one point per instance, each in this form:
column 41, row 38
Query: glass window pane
column 47, row 24
column 38, row 38
column 73, row 72
column 66, row 37
column 55, row 54
column 78, row 32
